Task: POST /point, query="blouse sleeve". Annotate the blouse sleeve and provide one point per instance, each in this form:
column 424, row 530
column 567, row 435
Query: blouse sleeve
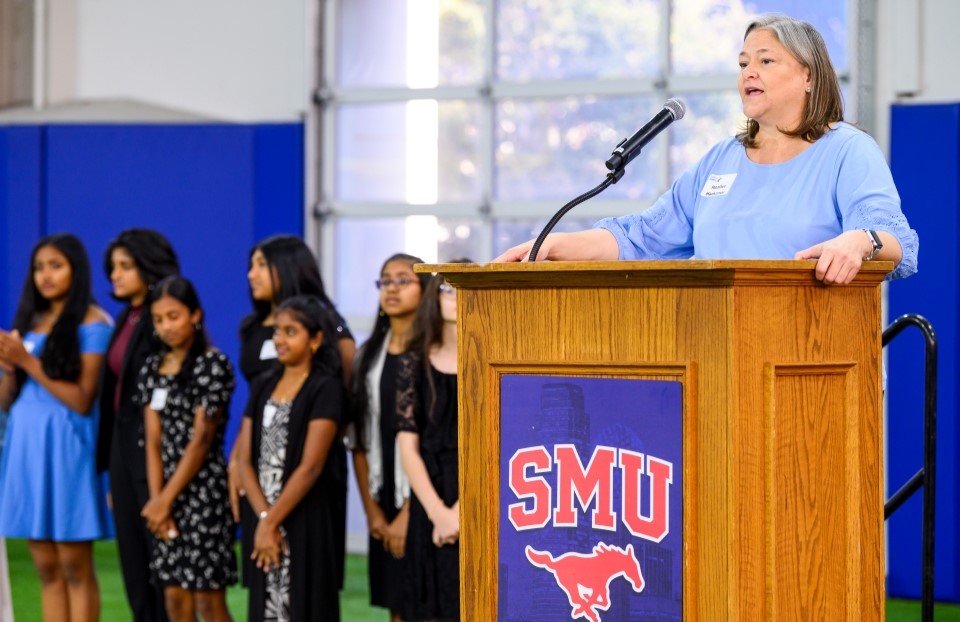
column 407, row 393
column 662, row 231
column 868, row 199
column 214, row 378
column 94, row 337
column 145, row 382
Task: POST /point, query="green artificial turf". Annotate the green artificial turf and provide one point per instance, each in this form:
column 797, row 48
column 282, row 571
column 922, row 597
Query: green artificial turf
column 354, row 600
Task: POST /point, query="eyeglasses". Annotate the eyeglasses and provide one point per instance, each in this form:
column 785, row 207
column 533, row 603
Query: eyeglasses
column 446, row 288
column 401, row 282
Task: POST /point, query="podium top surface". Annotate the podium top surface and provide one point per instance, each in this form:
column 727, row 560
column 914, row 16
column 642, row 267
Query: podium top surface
column 653, row 273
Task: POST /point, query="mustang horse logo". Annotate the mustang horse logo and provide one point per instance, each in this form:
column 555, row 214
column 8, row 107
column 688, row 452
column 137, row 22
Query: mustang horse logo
column 585, row 578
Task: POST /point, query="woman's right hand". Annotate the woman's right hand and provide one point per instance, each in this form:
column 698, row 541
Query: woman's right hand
column 589, row 245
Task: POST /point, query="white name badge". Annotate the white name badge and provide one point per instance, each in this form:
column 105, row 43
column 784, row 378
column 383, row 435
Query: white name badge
column 268, row 350
column 159, row 398
column 269, row 414
column 718, row 185
column 29, row 346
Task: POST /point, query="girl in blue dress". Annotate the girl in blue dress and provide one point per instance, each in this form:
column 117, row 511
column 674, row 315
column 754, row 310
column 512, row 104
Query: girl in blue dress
column 49, row 490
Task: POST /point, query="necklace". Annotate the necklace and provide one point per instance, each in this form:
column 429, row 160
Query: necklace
column 288, row 393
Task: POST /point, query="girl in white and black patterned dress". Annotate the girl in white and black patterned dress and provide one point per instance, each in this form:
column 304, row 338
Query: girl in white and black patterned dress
column 289, row 427
column 185, row 391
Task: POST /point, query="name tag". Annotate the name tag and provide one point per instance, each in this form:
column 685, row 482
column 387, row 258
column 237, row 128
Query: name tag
column 269, row 414
column 268, row 350
column 159, row 398
column 718, row 185
column 29, row 346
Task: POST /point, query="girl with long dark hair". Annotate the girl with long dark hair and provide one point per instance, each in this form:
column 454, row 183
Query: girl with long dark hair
column 383, row 485
column 283, row 266
column 185, row 391
column 427, row 437
column 134, row 263
column 289, row 428
column 49, row 490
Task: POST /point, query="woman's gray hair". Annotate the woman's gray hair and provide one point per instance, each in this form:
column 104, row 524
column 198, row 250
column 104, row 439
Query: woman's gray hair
column 824, row 104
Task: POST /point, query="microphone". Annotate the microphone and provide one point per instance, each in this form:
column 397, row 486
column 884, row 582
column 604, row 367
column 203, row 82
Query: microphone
column 629, row 148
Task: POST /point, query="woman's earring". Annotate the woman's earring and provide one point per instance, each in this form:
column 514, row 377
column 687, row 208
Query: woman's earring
column 198, row 326
column 808, row 89
column 314, row 349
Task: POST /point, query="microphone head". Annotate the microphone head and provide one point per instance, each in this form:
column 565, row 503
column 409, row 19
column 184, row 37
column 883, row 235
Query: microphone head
column 676, row 108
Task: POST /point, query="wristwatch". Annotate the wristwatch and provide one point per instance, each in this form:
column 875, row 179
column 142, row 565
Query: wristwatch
column 875, row 240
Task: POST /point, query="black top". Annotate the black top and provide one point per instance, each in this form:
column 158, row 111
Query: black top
column 388, row 433
column 255, row 359
column 311, row 527
column 124, row 425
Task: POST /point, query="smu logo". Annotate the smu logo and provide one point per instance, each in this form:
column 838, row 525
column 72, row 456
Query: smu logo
column 585, row 579
column 591, row 483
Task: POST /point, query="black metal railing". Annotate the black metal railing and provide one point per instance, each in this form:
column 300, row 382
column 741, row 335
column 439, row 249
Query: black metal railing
column 926, row 476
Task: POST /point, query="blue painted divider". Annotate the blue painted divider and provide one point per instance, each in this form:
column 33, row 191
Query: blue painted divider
column 213, row 189
column 925, row 159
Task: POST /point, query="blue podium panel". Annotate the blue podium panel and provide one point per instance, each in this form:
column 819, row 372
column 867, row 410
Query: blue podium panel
column 925, row 159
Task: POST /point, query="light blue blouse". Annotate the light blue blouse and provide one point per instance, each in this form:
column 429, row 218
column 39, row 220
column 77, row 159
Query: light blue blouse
column 728, row 207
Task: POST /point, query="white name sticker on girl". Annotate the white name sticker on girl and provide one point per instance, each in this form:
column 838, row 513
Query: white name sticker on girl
column 268, row 351
column 159, row 398
column 269, row 412
column 718, row 185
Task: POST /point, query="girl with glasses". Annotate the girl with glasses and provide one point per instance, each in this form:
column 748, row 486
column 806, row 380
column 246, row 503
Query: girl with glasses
column 383, row 486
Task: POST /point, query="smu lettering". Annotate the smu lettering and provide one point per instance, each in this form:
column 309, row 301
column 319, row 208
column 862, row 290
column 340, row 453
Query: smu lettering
column 593, row 483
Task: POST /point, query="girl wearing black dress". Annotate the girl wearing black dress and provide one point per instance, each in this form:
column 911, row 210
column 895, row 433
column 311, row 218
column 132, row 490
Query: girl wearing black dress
column 382, row 483
column 427, row 437
column 185, row 390
column 134, row 262
column 290, row 425
column 283, row 266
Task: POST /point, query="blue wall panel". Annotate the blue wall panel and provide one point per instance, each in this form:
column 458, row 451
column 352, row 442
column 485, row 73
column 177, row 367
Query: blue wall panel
column 925, row 159
column 213, row 189
column 21, row 215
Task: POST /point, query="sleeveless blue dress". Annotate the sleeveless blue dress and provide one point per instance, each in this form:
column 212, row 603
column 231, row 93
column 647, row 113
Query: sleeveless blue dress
column 49, row 487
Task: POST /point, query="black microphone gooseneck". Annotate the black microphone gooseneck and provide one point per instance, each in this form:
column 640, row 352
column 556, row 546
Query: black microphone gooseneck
column 625, row 152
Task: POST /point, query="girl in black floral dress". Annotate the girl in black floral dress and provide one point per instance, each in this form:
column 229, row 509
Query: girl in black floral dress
column 289, row 427
column 185, row 391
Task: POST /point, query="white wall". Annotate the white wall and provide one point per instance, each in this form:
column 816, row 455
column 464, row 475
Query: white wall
column 918, row 51
column 238, row 60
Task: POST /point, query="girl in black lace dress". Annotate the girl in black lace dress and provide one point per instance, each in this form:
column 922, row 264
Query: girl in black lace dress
column 285, row 452
column 185, row 391
column 427, row 436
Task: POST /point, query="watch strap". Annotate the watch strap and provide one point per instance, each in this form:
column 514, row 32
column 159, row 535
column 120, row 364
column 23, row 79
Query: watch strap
column 877, row 244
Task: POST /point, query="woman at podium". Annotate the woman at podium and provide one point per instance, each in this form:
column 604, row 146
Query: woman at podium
column 796, row 183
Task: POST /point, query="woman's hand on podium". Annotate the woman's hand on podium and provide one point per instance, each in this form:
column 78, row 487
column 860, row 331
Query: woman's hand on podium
column 589, row 245
column 840, row 259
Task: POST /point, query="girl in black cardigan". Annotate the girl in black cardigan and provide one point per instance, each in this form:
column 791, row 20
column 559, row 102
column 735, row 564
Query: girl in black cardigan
column 135, row 261
column 291, row 422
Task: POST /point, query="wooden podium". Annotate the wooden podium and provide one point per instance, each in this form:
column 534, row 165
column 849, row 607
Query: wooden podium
column 781, row 375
